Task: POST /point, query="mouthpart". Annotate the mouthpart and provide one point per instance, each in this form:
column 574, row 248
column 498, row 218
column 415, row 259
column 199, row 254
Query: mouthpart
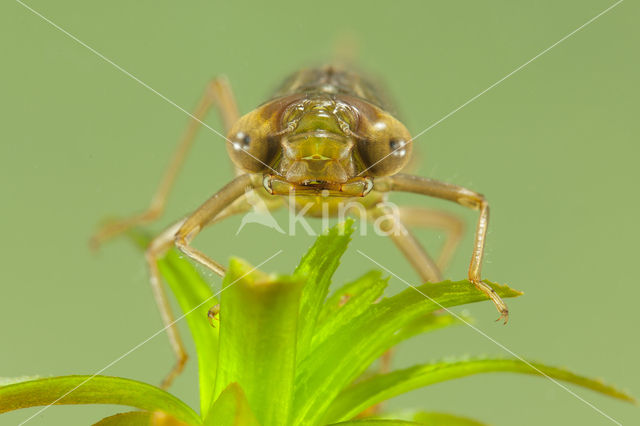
column 356, row 187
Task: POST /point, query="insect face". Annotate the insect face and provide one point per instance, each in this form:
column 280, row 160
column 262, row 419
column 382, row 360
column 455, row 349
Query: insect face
column 318, row 142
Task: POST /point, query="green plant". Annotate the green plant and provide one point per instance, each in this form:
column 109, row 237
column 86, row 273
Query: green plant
column 284, row 352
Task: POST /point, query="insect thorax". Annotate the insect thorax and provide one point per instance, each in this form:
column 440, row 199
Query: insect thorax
column 333, row 80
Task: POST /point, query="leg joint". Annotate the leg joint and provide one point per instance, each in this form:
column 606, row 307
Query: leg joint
column 475, row 201
column 180, row 242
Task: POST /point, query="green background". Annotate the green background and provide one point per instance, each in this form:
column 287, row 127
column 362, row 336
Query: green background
column 554, row 148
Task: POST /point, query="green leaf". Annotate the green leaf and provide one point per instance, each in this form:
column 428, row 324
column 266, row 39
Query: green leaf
column 258, row 325
column 4, row 381
column 141, row 418
column 317, row 268
column 231, row 409
column 378, row 388
column 93, row 390
column 348, row 292
column 131, row 418
column 426, row 323
column 356, row 297
column 432, row 418
column 195, row 297
column 376, row 422
column 445, row 419
column 351, row 349
column 190, row 290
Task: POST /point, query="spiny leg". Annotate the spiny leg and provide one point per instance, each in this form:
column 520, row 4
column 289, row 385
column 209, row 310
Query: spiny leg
column 154, row 252
column 218, row 92
column 462, row 196
column 390, row 224
column 156, row 249
column 206, row 213
column 388, row 221
column 436, row 219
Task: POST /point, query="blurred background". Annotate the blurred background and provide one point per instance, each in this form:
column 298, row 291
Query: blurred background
column 554, row 148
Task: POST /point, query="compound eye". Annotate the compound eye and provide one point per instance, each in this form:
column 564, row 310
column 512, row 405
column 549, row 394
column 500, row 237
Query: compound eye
column 250, row 151
column 387, row 152
column 242, row 141
column 384, row 157
column 398, row 148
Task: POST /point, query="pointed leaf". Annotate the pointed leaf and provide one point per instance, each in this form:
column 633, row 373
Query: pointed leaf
column 231, row 409
column 195, row 298
column 4, row 381
column 93, row 390
column 424, row 324
column 317, row 268
column 258, row 325
column 429, row 418
column 348, row 352
column 141, row 418
column 445, row 419
column 356, row 298
column 190, row 290
column 378, row 388
column 131, row 418
column 348, row 292
column 160, row 418
column 376, row 422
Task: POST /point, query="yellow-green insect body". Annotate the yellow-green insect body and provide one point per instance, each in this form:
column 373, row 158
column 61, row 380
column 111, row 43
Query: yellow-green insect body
column 326, row 144
column 320, row 136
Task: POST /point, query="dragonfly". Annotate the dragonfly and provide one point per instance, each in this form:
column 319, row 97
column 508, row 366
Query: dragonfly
column 326, row 136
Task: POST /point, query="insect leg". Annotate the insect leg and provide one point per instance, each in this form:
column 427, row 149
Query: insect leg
column 462, row 196
column 218, row 92
column 206, row 213
column 428, row 218
column 155, row 251
column 389, row 222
